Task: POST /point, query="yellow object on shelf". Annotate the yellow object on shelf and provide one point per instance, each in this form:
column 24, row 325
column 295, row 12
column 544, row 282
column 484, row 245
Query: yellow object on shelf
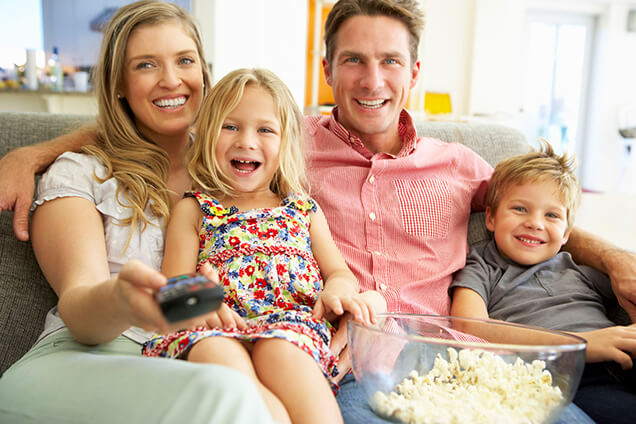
column 437, row 103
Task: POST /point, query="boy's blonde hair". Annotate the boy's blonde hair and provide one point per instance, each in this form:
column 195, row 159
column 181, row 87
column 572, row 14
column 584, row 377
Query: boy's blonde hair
column 140, row 166
column 223, row 99
column 537, row 166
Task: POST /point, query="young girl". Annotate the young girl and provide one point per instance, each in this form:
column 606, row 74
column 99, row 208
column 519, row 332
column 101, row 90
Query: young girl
column 252, row 219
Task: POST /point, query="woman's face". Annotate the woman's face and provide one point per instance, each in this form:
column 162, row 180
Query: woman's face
column 163, row 80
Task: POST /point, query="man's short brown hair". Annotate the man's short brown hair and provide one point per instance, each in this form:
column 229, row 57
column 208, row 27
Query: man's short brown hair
column 406, row 11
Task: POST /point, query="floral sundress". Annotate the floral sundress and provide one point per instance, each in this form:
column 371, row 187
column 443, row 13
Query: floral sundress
column 269, row 275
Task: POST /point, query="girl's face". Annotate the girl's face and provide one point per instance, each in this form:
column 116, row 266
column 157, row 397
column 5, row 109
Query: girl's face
column 163, row 80
column 249, row 143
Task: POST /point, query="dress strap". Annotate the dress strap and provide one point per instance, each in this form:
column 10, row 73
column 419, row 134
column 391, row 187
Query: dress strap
column 209, row 205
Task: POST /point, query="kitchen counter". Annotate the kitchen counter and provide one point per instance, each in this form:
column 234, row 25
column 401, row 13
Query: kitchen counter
column 69, row 102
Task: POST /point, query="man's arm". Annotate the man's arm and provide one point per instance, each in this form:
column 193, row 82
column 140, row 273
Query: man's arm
column 619, row 264
column 19, row 166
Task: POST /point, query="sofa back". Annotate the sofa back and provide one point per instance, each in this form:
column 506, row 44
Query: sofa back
column 25, row 296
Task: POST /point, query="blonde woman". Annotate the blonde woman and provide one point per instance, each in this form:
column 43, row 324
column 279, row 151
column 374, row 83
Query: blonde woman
column 98, row 229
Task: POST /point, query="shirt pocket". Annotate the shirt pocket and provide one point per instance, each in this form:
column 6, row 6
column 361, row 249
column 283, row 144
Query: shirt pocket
column 425, row 207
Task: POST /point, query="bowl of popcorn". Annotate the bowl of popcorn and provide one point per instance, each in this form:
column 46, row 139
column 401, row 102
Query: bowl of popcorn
column 422, row 369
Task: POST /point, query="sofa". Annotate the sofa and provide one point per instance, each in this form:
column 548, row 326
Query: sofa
column 25, row 296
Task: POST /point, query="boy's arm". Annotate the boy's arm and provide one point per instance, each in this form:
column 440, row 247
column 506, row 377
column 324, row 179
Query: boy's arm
column 619, row 264
column 468, row 303
column 18, row 167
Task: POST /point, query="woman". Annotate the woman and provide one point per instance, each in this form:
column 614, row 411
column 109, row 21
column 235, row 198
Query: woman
column 87, row 365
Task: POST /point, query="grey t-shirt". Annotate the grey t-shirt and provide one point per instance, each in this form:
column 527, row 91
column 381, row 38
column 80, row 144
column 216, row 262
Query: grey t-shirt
column 556, row 294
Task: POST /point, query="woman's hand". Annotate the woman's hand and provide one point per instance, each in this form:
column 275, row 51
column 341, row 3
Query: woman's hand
column 611, row 344
column 135, row 287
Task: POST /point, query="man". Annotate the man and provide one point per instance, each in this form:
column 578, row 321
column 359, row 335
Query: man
column 403, row 213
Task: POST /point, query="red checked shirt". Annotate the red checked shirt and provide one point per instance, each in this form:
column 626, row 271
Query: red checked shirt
column 399, row 221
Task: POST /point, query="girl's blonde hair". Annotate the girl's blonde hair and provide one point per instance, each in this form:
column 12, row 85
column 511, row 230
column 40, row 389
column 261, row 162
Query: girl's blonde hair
column 140, row 166
column 537, row 166
column 223, row 99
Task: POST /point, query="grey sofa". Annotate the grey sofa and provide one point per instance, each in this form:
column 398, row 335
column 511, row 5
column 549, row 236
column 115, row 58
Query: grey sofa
column 25, row 296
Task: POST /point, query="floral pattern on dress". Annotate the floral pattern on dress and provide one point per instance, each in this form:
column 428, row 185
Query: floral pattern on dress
column 269, row 275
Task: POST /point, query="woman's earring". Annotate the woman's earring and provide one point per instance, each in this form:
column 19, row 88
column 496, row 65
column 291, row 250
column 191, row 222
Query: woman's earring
column 119, row 95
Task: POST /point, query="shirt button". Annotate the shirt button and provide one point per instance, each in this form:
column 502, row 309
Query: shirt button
column 372, row 216
column 371, row 179
column 382, row 286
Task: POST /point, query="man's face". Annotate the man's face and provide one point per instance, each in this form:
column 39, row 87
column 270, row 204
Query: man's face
column 371, row 75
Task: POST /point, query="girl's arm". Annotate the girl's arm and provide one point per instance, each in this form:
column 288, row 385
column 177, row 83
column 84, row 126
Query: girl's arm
column 181, row 256
column 341, row 290
column 181, row 251
column 68, row 241
column 18, row 167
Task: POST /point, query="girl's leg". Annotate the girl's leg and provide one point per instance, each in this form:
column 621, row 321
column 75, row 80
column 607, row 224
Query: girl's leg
column 231, row 353
column 62, row 381
column 295, row 378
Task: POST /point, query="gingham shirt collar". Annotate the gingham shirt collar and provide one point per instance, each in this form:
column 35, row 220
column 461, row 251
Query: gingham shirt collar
column 406, row 130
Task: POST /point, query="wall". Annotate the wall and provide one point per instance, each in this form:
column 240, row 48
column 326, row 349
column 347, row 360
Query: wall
column 473, row 49
column 255, row 33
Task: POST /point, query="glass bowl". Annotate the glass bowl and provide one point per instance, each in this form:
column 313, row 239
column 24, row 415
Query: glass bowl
column 442, row 369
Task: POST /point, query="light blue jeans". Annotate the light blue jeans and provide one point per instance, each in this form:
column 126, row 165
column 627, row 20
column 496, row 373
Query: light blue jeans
column 356, row 410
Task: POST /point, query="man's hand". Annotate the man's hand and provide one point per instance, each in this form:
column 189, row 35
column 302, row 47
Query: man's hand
column 616, row 344
column 340, row 348
column 17, row 186
column 621, row 268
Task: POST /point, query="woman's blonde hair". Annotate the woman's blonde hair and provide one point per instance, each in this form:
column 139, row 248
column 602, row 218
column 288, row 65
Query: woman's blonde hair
column 223, row 99
column 537, row 166
column 140, row 166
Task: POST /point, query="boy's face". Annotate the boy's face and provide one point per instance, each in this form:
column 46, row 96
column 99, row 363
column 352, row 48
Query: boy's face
column 529, row 223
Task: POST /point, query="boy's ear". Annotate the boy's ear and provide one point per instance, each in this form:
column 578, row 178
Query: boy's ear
column 490, row 219
column 566, row 236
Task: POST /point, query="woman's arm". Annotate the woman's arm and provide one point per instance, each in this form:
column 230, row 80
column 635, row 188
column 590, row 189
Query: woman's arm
column 619, row 264
column 18, row 167
column 68, row 241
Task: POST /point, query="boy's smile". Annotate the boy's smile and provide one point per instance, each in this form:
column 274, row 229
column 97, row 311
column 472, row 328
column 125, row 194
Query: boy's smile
column 530, row 222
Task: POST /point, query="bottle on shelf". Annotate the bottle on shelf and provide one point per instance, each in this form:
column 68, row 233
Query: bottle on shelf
column 56, row 78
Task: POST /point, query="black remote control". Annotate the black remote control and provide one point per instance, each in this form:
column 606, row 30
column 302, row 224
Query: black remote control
column 186, row 296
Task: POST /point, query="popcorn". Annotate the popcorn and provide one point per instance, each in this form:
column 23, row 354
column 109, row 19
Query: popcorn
column 473, row 386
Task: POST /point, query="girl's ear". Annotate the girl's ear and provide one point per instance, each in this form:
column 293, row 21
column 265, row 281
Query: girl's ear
column 490, row 219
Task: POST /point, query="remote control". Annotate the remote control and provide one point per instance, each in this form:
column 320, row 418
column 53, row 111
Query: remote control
column 186, row 296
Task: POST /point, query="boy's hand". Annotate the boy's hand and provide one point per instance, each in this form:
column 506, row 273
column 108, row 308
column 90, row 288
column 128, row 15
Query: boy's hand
column 611, row 344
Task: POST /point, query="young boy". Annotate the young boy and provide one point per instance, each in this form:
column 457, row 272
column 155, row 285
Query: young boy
column 521, row 276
